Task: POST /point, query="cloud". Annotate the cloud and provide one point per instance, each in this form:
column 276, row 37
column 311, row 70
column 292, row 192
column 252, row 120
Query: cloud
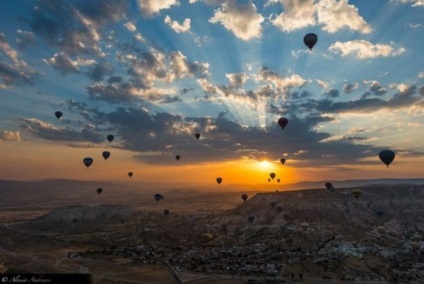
column 25, row 38
column 375, row 89
column 349, row 87
column 415, row 3
column 149, row 8
column 76, row 28
column 63, row 63
column 402, row 99
column 10, row 135
column 237, row 80
column 177, row 27
column 47, row 131
column 333, row 15
column 98, row 71
column 332, row 93
column 363, row 49
column 18, row 72
column 157, row 137
column 414, row 26
column 241, row 19
column 7, row 49
column 130, row 26
column 322, row 84
column 282, row 84
column 296, row 15
column 421, row 75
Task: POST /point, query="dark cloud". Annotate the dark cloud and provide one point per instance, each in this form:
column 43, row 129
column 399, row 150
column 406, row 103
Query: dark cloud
column 169, row 100
column 115, row 80
column 398, row 100
column 75, row 28
column 349, row 87
column 376, row 89
column 18, row 72
column 63, row 63
column 98, row 71
column 332, row 93
column 114, row 93
column 24, row 39
column 49, row 132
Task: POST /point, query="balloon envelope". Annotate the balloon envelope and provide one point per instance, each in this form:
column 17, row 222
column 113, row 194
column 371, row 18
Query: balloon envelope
column 278, row 180
column 197, row 135
column 99, row 190
column 178, row 157
column 387, row 156
column 87, row 162
column 310, row 40
column 251, row 218
column 130, row 174
column 110, row 137
column 244, row 196
column 283, row 122
column 166, row 211
column 219, row 180
column 157, row 197
column 58, row 114
column 106, row 154
column 282, row 160
column 356, row 193
column 272, row 175
column 328, row 185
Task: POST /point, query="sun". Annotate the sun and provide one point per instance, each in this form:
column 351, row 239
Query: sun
column 265, row 165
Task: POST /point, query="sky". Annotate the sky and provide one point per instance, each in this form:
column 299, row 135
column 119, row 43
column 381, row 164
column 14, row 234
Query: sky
column 154, row 73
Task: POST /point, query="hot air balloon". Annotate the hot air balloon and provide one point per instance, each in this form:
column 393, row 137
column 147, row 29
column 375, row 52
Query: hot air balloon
column 310, row 40
column 87, row 162
column 106, row 154
column 282, row 160
column 381, row 230
column 356, row 193
column 99, row 190
column 158, row 197
column 251, row 218
column 379, row 211
column 197, row 135
column 130, row 174
column 273, row 203
column 328, row 185
column 166, row 212
column 269, row 180
column 178, row 157
column 283, row 122
column 219, row 180
column 244, row 196
column 110, row 137
column 279, row 208
column 58, row 114
column 387, row 156
column 304, row 226
column 272, row 175
column 278, row 180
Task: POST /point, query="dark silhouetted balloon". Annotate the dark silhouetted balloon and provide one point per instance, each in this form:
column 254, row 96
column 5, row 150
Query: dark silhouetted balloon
column 197, row 135
column 58, row 114
column 278, row 180
column 387, row 156
column 166, row 212
column 279, row 208
column 219, row 180
column 283, row 122
column 158, row 197
column 110, row 137
column 273, row 203
column 244, row 196
column 178, row 157
column 106, row 154
column 269, row 180
column 99, row 190
column 272, row 175
column 356, row 193
column 130, row 174
column 310, row 40
column 283, row 161
column 251, row 218
column 328, row 185
column 88, row 162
